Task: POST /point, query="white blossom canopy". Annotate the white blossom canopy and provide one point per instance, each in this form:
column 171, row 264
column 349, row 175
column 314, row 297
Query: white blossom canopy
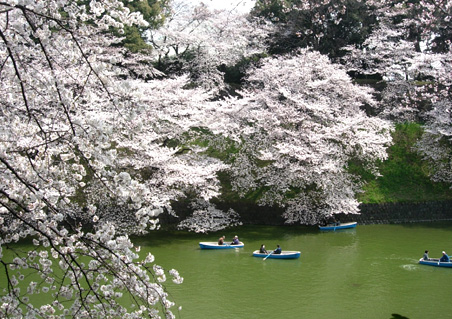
column 297, row 128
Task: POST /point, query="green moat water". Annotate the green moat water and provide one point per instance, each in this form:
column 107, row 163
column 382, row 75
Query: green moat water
column 367, row 272
column 364, row 273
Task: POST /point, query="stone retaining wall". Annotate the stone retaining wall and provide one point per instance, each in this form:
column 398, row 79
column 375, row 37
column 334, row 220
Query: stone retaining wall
column 393, row 213
column 388, row 213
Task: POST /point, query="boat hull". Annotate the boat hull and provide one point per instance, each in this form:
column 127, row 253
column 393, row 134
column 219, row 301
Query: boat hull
column 214, row 245
column 338, row 227
column 435, row 263
column 284, row 255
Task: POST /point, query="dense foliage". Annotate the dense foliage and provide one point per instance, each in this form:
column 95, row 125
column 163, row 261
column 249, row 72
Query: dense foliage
column 326, row 26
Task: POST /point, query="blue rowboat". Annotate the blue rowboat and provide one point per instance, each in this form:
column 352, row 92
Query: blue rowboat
column 435, row 263
column 339, row 226
column 285, row 254
column 214, row 245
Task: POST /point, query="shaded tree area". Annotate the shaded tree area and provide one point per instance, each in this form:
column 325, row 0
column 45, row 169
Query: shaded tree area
column 324, row 26
column 154, row 12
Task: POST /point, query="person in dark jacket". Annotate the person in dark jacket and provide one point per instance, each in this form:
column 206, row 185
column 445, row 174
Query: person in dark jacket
column 445, row 258
column 262, row 250
column 278, row 250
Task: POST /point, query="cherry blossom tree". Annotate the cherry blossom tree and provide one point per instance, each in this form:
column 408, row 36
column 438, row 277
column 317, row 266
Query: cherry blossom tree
column 206, row 217
column 433, row 18
column 411, row 50
column 436, row 142
column 296, row 129
column 87, row 148
column 400, row 50
column 387, row 53
column 198, row 41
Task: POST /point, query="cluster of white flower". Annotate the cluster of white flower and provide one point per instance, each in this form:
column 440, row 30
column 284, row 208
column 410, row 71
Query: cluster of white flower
column 207, row 218
column 218, row 36
column 176, row 277
column 307, row 133
column 66, row 127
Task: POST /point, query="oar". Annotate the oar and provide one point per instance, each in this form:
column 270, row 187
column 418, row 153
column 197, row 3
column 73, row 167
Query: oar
column 268, row 255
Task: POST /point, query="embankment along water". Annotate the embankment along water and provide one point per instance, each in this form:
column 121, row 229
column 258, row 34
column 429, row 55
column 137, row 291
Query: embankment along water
column 385, row 213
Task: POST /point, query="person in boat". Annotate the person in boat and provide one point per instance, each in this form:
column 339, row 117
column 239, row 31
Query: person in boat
column 221, row 240
column 426, row 255
column 445, row 258
column 262, row 250
column 331, row 221
column 278, row 250
column 235, row 241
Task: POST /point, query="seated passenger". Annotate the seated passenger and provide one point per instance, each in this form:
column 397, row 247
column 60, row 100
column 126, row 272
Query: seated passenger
column 235, row 241
column 445, row 258
column 426, row 255
column 262, row 250
column 221, row 240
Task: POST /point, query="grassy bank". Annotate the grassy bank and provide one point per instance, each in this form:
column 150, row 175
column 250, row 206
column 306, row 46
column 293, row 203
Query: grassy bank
column 405, row 175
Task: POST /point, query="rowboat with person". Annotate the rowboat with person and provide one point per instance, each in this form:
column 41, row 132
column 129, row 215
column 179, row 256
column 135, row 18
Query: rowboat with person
column 214, row 245
column 435, row 262
column 338, row 226
column 285, row 254
column 444, row 261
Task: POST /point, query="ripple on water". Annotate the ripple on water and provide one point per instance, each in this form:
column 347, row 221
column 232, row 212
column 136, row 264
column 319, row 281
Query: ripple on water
column 409, row 267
